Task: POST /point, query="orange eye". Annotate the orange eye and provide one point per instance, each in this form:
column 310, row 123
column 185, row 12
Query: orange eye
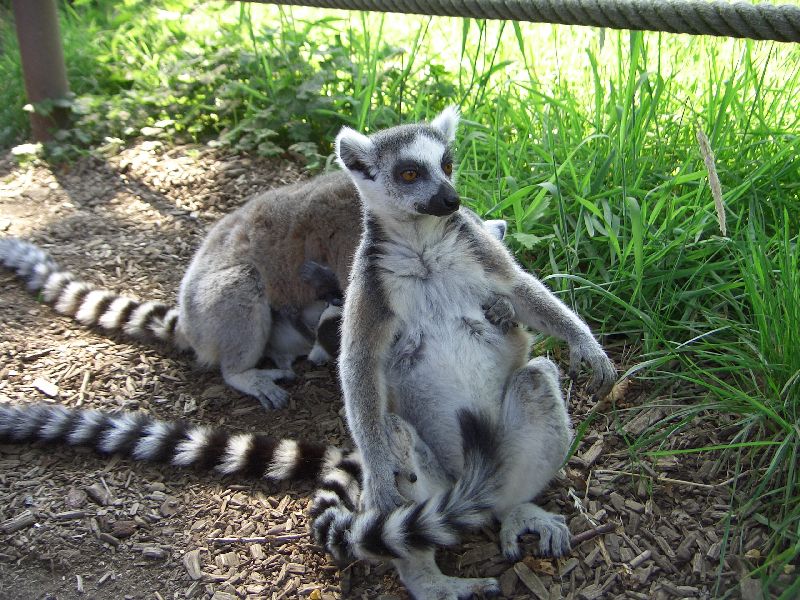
column 409, row 175
column 448, row 168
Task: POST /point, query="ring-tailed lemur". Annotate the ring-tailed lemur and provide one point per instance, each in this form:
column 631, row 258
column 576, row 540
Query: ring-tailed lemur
column 261, row 284
column 417, row 342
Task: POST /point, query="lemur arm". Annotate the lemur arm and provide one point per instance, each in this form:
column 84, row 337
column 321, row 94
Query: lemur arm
column 367, row 332
column 537, row 307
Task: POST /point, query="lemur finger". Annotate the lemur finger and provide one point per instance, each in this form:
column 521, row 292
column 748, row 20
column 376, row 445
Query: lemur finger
column 489, row 587
column 574, row 364
column 605, row 374
column 510, row 545
column 383, row 495
column 500, row 312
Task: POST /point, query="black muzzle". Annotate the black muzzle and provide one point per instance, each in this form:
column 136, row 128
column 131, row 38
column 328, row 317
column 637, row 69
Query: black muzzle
column 444, row 202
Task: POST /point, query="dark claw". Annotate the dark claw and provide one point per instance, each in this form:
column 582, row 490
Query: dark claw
column 513, row 556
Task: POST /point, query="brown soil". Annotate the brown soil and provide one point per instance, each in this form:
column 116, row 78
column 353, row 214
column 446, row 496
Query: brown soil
column 105, row 527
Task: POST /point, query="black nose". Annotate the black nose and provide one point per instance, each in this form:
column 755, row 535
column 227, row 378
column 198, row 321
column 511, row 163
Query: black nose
column 444, row 202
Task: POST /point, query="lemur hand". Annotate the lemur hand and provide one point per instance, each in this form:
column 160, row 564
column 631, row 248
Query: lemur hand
column 380, row 491
column 604, row 373
column 500, row 312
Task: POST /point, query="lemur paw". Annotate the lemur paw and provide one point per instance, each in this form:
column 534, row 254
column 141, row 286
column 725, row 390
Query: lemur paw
column 318, row 355
column 604, row 373
column 260, row 383
column 383, row 498
column 500, row 313
column 554, row 535
column 445, row 587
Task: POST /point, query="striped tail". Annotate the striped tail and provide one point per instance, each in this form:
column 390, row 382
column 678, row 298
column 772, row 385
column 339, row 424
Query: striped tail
column 348, row 534
column 85, row 303
column 178, row 443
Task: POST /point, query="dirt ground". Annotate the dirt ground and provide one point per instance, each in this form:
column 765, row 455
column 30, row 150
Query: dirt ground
column 74, row 525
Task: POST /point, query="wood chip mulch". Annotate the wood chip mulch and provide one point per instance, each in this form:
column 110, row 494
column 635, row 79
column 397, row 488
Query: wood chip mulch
column 74, row 525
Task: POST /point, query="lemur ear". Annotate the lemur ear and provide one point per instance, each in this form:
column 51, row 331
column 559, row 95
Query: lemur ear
column 353, row 153
column 447, row 122
column 497, row 227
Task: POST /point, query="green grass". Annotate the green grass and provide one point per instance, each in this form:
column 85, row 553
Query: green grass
column 584, row 140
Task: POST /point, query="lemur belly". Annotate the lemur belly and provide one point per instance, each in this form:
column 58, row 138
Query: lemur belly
column 451, row 358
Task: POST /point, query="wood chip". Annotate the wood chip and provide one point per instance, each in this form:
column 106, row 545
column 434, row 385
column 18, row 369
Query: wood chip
column 123, row 528
column 643, row 420
column 531, row 581
column 229, row 559
column 567, row 567
column 257, row 551
column 69, row 515
column 191, row 560
column 108, row 538
column 638, row 560
column 24, row 519
column 99, row 494
column 588, row 458
column 75, row 498
column 751, row 589
column 508, row 582
column 285, row 539
column 154, row 553
column 479, row 554
column 46, row 387
column 617, row 501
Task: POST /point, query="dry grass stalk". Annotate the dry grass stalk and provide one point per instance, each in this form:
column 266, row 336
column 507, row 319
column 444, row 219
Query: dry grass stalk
column 713, row 179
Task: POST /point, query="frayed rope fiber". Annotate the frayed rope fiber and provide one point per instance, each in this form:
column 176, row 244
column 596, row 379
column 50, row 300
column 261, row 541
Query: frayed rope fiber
column 697, row 17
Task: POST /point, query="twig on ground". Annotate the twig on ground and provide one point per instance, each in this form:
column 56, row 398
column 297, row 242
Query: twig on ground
column 592, row 533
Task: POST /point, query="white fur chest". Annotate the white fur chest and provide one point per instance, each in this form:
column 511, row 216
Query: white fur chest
column 432, row 277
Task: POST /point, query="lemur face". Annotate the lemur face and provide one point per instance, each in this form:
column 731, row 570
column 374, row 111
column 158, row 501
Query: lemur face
column 405, row 169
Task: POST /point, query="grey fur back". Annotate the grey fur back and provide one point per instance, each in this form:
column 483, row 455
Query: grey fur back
column 280, row 229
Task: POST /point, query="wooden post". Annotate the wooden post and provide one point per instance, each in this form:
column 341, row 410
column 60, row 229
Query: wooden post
column 42, row 62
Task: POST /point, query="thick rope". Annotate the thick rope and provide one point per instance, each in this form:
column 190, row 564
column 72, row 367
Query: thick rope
column 696, row 17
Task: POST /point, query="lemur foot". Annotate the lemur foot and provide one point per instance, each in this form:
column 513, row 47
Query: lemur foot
column 554, row 535
column 445, row 587
column 500, row 312
column 260, row 383
column 318, row 356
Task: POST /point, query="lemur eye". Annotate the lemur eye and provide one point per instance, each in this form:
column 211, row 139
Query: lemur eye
column 447, row 168
column 409, row 175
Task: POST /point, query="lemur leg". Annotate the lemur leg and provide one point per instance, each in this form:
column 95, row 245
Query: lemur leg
column 328, row 335
column 238, row 361
column 537, row 429
column 425, row 581
column 228, row 321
